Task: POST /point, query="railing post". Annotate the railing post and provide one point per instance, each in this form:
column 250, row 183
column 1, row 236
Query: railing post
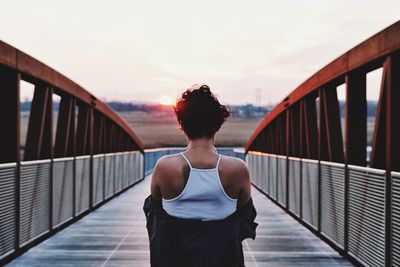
column 355, row 135
column 72, row 153
column 287, row 156
column 49, row 129
column 302, row 153
column 277, row 147
column 91, row 150
column 112, row 145
column 392, row 86
column 319, row 196
column 322, row 149
column 346, row 210
column 17, row 108
column 10, row 115
column 10, row 139
column 104, row 149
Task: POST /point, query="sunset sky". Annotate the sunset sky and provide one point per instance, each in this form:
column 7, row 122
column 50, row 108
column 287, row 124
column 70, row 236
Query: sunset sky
column 141, row 50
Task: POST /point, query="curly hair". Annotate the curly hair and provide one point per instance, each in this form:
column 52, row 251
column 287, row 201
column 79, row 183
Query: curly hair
column 199, row 113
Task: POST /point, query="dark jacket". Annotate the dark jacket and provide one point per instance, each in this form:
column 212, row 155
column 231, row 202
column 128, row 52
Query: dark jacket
column 176, row 242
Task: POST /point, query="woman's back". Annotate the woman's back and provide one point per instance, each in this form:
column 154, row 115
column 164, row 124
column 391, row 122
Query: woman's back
column 203, row 197
column 201, row 184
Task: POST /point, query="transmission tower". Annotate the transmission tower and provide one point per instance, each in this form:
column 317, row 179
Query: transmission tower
column 258, row 97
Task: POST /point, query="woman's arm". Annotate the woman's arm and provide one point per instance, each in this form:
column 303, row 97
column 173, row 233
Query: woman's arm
column 155, row 182
column 245, row 185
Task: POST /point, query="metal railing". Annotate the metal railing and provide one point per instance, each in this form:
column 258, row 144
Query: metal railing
column 57, row 192
column 329, row 180
column 92, row 155
column 350, row 217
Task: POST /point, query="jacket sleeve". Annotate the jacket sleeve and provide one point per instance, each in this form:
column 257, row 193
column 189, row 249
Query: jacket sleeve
column 164, row 248
column 248, row 226
column 149, row 212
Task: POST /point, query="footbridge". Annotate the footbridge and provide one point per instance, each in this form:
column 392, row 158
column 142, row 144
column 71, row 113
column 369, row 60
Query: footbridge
column 71, row 193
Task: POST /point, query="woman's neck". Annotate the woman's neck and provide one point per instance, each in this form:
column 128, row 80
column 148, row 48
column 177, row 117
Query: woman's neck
column 202, row 144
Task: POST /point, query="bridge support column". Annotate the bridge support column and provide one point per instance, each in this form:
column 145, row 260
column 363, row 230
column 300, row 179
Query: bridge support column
column 356, row 119
column 10, row 137
column 355, row 134
column 9, row 115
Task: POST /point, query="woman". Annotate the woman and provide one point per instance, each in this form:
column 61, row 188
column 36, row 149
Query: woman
column 206, row 209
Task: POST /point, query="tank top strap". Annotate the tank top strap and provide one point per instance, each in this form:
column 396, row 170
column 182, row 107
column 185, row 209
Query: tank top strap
column 183, row 155
column 219, row 159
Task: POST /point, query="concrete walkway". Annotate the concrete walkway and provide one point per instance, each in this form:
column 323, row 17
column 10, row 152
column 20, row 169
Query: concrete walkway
column 115, row 235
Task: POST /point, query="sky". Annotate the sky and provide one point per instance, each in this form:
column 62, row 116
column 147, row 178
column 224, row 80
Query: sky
column 144, row 50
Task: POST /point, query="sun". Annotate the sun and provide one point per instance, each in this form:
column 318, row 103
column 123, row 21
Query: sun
column 166, row 100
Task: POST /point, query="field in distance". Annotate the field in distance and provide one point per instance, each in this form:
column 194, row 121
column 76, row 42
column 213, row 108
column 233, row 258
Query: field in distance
column 161, row 130
column 155, row 130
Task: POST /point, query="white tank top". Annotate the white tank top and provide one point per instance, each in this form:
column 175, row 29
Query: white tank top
column 203, row 197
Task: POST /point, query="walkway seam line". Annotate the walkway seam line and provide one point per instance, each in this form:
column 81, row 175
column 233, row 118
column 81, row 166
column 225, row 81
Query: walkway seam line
column 119, row 244
column 250, row 252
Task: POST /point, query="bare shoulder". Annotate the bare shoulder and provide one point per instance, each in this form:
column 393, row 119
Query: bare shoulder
column 234, row 164
column 164, row 176
column 235, row 167
column 167, row 165
column 236, row 179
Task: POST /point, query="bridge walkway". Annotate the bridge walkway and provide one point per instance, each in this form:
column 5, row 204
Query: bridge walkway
column 115, row 235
